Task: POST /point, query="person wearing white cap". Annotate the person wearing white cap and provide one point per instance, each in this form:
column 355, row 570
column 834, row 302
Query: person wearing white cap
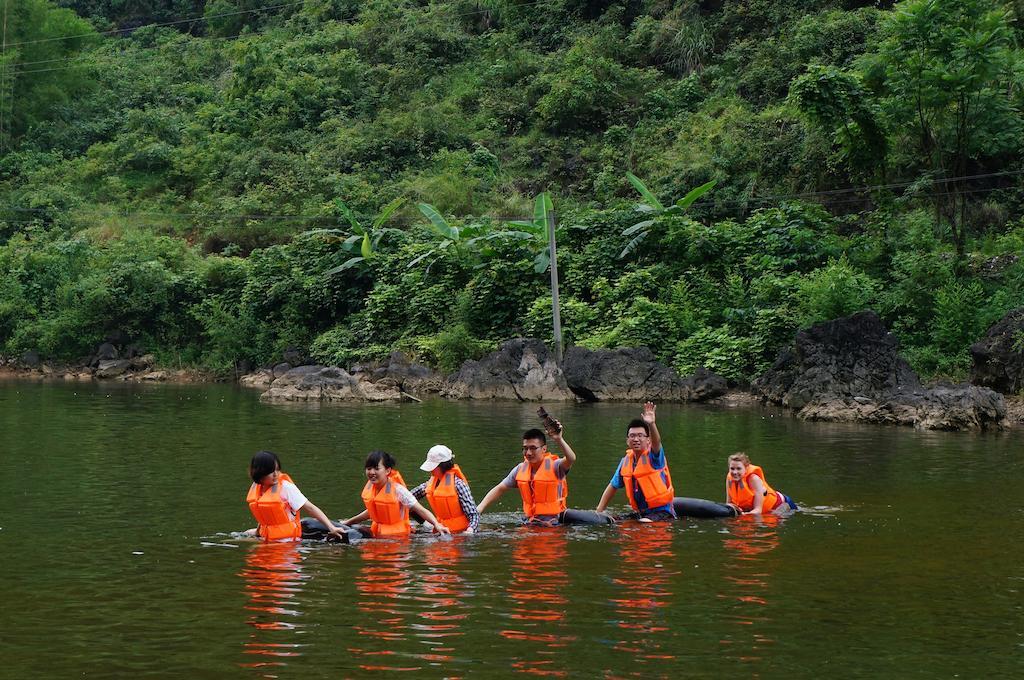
column 448, row 491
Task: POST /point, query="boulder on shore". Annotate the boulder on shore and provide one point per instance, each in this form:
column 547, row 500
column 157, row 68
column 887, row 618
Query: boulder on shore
column 634, row 374
column 522, row 369
column 327, row 383
column 999, row 355
column 849, row 369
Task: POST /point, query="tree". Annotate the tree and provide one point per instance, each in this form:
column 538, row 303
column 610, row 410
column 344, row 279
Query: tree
column 946, row 74
column 368, row 239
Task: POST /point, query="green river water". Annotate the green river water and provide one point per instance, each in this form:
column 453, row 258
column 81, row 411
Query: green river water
column 118, row 504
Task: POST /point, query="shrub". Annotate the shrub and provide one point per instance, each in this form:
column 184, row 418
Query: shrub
column 834, row 291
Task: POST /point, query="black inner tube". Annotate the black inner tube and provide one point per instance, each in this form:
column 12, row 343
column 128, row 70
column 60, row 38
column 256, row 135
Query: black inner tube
column 701, row 508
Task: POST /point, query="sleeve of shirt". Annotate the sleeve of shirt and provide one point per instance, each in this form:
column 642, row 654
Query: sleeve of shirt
column 405, row 496
column 617, row 482
column 510, row 478
column 419, row 491
column 292, row 496
column 658, row 459
column 560, row 472
column 467, row 503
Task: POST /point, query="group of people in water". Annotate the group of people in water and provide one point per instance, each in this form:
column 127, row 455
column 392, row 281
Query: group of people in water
column 541, row 479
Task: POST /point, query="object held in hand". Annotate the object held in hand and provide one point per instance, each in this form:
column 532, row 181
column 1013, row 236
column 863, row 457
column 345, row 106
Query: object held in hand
column 550, row 424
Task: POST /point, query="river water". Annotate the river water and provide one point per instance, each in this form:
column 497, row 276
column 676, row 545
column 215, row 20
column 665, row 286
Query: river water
column 118, row 504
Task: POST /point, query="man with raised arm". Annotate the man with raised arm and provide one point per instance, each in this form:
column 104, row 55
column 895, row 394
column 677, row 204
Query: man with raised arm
column 643, row 472
column 541, row 480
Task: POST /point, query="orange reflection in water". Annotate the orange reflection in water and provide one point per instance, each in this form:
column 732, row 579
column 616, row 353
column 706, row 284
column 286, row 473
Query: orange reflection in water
column 273, row 582
column 747, row 575
column 647, row 564
column 383, row 590
column 538, row 603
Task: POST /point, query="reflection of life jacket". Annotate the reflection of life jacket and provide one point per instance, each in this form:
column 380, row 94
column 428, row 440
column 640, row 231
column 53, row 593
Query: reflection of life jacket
column 543, row 492
column 275, row 518
column 656, row 485
column 390, row 517
column 742, row 494
column 444, row 499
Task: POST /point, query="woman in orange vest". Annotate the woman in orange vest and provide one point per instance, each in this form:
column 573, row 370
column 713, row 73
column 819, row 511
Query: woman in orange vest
column 747, row 489
column 275, row 502
column 388, row 501
column 448, row 491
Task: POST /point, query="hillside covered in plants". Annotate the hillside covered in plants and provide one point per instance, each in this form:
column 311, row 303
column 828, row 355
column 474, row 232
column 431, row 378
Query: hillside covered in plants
column 218, row 181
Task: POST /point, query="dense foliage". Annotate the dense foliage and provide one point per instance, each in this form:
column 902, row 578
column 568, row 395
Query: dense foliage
column 221, row 180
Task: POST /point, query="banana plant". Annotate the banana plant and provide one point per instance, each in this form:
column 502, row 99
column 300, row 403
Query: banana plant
column 464, row 241
column 368, row 240
column 535, row 232
column 639, row 231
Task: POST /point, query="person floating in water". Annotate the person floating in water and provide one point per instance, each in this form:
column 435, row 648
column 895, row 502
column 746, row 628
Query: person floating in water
column 275, row 502
column 643, row 472
column 388, row 501
column 541, row 480
column 747, row 489
column 448, row 491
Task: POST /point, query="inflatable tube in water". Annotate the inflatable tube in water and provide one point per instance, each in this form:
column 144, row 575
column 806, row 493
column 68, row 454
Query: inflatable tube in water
column 700, row 508
column 314, row 530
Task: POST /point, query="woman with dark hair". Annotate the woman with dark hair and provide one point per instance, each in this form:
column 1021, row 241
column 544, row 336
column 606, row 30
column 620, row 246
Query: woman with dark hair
column 275, row 502
column 388, row 501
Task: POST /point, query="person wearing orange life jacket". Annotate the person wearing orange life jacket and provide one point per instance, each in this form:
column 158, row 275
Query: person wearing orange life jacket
column 388, row 501
column 275, row 502
column 448, row 491
column 643, row 472
column 747, row 489
column 542, row 483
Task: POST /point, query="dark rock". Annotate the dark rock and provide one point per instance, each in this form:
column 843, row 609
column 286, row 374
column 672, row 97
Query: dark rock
column 132, row 351
column 106, row 352
column 143, row 362
column 999, row 355
column 243, row 367
column 112, row 368
column 30, row 359
column 850, row 369
column 634, row 374
column 294, row 356
column 281, row 369
column 521, row 369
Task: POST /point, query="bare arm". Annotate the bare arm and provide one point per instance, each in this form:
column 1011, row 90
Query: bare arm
column 320, row 515
column 492, row 495
column 606, row 498
column 428, row 516
column 361, row 517
column 570, row 455
column 649, row 418
column 758, row 486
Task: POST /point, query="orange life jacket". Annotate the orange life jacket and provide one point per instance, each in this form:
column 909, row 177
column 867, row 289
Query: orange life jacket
column 656, row 485
column 390, row 517
column 444, row 499
column 543, row 492
column 276, row 522
column 742, row 494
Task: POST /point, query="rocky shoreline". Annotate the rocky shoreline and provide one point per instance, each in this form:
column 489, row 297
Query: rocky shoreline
column 847, row 369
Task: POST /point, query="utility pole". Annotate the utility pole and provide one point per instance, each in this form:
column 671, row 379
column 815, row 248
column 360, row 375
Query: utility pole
column 556, row 311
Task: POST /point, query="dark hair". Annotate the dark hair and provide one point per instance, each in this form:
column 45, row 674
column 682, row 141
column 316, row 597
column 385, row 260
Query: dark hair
column 446, row 466
column 263, row 464
column 534, row 433
column 377, row 457
column 638, row 422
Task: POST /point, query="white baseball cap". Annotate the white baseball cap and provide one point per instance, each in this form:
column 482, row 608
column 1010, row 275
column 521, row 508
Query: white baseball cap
column 437, row 454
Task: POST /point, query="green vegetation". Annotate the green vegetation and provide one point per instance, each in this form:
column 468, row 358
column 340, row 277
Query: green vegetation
column 354, row 177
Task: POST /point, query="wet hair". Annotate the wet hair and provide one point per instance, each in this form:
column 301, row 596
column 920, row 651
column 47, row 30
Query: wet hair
column 263, row 464
column 377, row 457
column 638, row 422
column 741, row 457
column 446, row 466
column 534, row 433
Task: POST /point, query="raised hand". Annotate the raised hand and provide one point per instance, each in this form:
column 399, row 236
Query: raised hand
column 648, row 412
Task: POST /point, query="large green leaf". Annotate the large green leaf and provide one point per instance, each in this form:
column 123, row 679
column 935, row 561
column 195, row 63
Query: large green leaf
column 386, row 212
column 440, row 223
column 687, row 200
column 645, row 192
column 366, row 249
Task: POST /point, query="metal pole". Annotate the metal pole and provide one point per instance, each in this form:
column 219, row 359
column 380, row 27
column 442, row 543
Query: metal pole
column 556, row 311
